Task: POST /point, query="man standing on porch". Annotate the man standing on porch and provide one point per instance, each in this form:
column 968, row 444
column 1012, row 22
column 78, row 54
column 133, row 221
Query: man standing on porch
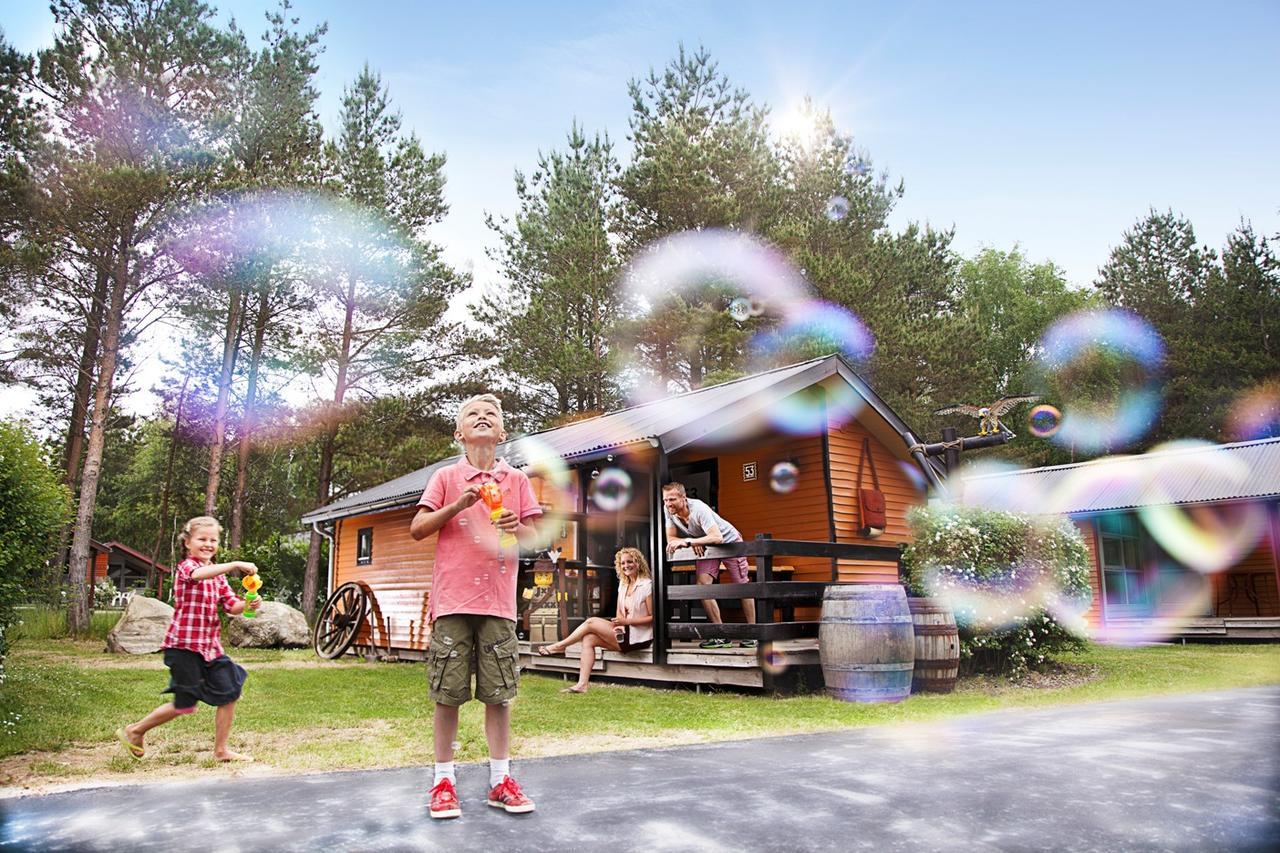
column 693, row 524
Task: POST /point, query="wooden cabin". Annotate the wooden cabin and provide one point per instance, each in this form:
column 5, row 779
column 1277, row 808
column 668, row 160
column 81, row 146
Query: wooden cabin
column 123, row 566
column 781, row 455
column 1222, row 501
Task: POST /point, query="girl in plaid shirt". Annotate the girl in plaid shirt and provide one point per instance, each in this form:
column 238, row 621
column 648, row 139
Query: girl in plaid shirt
column 198, row 668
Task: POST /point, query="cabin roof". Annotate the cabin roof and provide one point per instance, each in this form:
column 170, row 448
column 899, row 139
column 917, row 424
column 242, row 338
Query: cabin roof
column 1181, row 475
column 670, row 423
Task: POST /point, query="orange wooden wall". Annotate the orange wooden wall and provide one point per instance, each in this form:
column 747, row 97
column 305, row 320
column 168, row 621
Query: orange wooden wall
column 900, row 494
column 99, row 566
column 754, row 507
column 1090, row 533
column 399, row 573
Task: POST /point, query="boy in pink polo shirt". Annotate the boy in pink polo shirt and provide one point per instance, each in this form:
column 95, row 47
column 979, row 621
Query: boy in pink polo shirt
column 473, row 600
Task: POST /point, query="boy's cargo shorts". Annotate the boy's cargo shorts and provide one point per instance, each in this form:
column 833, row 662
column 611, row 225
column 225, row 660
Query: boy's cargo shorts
column 466, row 643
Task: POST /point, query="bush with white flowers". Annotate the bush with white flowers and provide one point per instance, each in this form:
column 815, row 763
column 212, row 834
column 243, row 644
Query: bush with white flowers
column 1018, row 584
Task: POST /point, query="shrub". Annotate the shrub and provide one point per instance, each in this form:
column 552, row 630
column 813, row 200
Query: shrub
column 1015, row 582
column 104, row 592
column 33, row 507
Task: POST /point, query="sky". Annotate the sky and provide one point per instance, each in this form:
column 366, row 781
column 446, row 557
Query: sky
column 1053, row 127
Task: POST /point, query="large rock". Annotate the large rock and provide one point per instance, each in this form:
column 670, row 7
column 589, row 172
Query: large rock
column 275, row 625
column 141, row 628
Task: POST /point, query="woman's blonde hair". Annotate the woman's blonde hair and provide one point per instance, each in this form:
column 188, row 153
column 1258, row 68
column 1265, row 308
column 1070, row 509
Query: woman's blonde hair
column 635, row 552
column 195, row 524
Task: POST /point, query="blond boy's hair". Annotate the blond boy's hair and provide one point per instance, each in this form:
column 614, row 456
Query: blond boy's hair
column 478, row 398
column 195, row 524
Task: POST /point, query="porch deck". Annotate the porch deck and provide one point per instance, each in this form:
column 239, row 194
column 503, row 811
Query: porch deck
column 686, row 663
column 1203, row 627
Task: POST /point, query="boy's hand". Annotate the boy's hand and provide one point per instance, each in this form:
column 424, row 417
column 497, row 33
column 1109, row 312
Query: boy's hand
column 507, row 522
column 469, row 496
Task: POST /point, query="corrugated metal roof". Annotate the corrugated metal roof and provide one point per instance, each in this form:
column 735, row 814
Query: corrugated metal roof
column 1187, row 473
column 671, row 423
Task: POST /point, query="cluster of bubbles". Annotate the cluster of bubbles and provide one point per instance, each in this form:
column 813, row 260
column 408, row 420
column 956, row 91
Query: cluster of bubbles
column 758, row 289
column 1170, row 582
column 1106, row 368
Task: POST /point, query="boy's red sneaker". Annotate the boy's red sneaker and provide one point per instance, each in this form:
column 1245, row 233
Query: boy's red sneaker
column 444, row 800
column 507, row 795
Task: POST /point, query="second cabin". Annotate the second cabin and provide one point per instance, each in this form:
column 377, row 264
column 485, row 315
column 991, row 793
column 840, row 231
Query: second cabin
column 799, row 459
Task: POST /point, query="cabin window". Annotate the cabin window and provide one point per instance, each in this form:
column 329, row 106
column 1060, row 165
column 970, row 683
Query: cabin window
column 1122, row 575
column 364, row 546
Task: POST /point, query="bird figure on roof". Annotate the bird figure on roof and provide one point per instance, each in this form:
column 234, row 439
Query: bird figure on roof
column 989, row 416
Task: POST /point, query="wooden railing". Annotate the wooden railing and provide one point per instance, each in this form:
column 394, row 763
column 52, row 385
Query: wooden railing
column 767, row 591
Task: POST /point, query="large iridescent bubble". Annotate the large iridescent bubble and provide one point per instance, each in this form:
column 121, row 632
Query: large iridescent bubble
column 729, row 271
column 1106, row 368
column 1207, row 537
column 1255, row 414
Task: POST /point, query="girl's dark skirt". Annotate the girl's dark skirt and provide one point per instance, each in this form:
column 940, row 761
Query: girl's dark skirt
column 193, row 679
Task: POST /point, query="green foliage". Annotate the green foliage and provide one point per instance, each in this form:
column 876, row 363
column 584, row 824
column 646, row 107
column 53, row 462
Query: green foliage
column 46, row 622
column 553, row 325
column 985, row 562
column 33, row 507
column 281, row 562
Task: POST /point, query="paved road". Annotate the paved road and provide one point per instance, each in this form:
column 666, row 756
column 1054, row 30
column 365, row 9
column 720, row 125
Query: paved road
column 1198, row 772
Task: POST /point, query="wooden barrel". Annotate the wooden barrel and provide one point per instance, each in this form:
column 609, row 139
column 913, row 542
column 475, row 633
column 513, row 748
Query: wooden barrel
column 865, row 644
column 937, row 646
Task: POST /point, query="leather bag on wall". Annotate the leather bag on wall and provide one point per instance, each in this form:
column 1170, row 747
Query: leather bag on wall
column 870, row 501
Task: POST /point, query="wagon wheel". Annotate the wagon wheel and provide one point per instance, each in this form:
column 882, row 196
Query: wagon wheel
column 340, row 621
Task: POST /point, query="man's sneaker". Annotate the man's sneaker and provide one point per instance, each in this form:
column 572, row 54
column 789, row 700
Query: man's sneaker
column 507, row 795
column 748, row 644
column 444, row 800
column 716, row 643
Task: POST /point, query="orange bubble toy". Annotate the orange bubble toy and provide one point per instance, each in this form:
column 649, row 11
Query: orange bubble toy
column 492, row 497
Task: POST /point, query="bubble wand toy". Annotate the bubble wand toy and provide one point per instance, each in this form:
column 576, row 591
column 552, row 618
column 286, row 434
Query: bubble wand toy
column 251, row 584
column 492, row 497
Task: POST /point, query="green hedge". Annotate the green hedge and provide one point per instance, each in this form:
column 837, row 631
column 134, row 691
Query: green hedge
column 1015, row 582
column 33, row 507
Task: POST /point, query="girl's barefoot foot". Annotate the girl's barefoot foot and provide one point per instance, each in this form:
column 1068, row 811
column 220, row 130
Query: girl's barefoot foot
column 577, row 688
column 228, row 755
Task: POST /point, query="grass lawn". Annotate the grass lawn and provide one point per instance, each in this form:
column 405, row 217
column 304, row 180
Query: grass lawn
column 62, row 700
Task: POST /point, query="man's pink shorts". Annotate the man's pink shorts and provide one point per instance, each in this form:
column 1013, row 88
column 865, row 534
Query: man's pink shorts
column 736, row 566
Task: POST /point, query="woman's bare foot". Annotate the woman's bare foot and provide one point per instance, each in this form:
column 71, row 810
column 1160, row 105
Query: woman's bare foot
column 228, row 755
column 577, row 688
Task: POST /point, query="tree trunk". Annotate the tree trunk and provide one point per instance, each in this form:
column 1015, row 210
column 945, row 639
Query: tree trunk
column 84, row 382
column 229, row 348
column 309, row 581
column 80, row 402
column 247, row 422
column 168, row 488
column 81, row 604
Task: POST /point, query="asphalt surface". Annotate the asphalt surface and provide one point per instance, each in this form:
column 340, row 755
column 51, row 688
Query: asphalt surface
column 1197, row 772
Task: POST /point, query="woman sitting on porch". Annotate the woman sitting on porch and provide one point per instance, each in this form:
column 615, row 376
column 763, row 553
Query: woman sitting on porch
column 630, row 630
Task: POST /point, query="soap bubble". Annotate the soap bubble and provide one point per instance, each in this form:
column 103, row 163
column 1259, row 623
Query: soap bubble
column 837, row 208
column 740, row 309
column 1044, row 420
column 611, row 490
column 784, row 477
column 1106, row 367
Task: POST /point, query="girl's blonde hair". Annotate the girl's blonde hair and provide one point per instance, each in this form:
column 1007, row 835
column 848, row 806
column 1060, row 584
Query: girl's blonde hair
column 635, row 552
column 195, row 524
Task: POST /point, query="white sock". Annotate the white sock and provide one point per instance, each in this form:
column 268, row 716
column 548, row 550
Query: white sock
column 444, row 770
column 499, row 769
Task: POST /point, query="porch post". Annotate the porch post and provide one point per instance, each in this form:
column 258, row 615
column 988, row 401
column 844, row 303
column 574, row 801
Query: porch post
column 662, row 574
column 764, row 574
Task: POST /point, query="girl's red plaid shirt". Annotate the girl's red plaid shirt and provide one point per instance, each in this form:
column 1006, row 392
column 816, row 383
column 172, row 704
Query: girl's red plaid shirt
column 196, row 626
